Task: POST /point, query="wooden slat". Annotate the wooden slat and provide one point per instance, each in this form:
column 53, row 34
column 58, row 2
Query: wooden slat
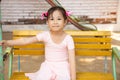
column 78, row 39
column 93, row 53
column 18, row 37
column 80, row 76
column 19, row 73
column 94, row 46
column 89, row 33
column 72, row 32
column 25, row 32
column 35, row 45
column 94, row 76
column 28, row 52
column 78, row 52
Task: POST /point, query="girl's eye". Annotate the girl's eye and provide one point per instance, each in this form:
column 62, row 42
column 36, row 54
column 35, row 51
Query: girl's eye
column 51, row 18
column 59, row 19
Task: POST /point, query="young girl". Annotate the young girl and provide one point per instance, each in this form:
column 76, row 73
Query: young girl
column 59, row 61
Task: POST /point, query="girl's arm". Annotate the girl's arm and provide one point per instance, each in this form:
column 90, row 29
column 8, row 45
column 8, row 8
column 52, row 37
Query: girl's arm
column 21, row 41
column 72, row 64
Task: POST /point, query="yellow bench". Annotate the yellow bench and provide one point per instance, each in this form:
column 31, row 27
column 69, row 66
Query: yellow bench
column 87, row 43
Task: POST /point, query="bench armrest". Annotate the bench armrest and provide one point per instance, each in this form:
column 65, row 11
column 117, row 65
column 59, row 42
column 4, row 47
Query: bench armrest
column 7, row 51
column 116, row 52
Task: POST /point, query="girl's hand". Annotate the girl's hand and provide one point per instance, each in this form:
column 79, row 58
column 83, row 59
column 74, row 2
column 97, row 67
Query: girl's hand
column 3, row 43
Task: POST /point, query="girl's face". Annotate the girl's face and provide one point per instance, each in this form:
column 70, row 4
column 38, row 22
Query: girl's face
column 56, row 21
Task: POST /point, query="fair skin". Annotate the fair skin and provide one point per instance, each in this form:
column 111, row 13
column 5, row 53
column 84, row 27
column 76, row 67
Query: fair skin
column 56, row 24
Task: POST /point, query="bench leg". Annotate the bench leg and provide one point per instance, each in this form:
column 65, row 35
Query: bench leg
column 114, row 66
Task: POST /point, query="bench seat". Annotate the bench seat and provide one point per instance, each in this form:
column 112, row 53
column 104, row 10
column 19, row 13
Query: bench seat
column 87, row 43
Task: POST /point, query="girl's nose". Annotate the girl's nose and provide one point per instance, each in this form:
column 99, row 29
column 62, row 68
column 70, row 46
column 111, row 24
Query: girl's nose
column 55, row 21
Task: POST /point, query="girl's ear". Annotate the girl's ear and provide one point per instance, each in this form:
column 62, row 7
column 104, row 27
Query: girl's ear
column 66, row 22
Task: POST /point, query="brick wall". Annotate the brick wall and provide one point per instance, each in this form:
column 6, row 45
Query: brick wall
column 93, row 11
column 13, row 10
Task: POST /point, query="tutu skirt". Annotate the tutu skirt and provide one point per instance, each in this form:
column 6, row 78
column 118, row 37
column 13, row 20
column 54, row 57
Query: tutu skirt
column 58, row 70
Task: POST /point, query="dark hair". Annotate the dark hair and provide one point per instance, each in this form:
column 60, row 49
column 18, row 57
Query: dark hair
column 61, row 9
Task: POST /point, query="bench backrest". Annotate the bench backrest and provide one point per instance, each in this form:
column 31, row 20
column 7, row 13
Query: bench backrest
column 87, row 43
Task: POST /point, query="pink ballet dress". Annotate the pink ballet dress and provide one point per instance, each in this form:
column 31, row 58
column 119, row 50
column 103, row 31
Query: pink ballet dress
column 55, row 66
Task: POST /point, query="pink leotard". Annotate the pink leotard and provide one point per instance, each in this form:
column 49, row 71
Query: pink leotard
column 55, row 66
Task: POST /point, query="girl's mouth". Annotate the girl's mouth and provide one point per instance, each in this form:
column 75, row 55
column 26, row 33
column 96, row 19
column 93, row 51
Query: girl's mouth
column 55, row 26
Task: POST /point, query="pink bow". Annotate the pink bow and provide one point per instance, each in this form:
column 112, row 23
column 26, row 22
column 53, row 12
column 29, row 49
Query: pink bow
column 43, row 15
column 68, row 13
